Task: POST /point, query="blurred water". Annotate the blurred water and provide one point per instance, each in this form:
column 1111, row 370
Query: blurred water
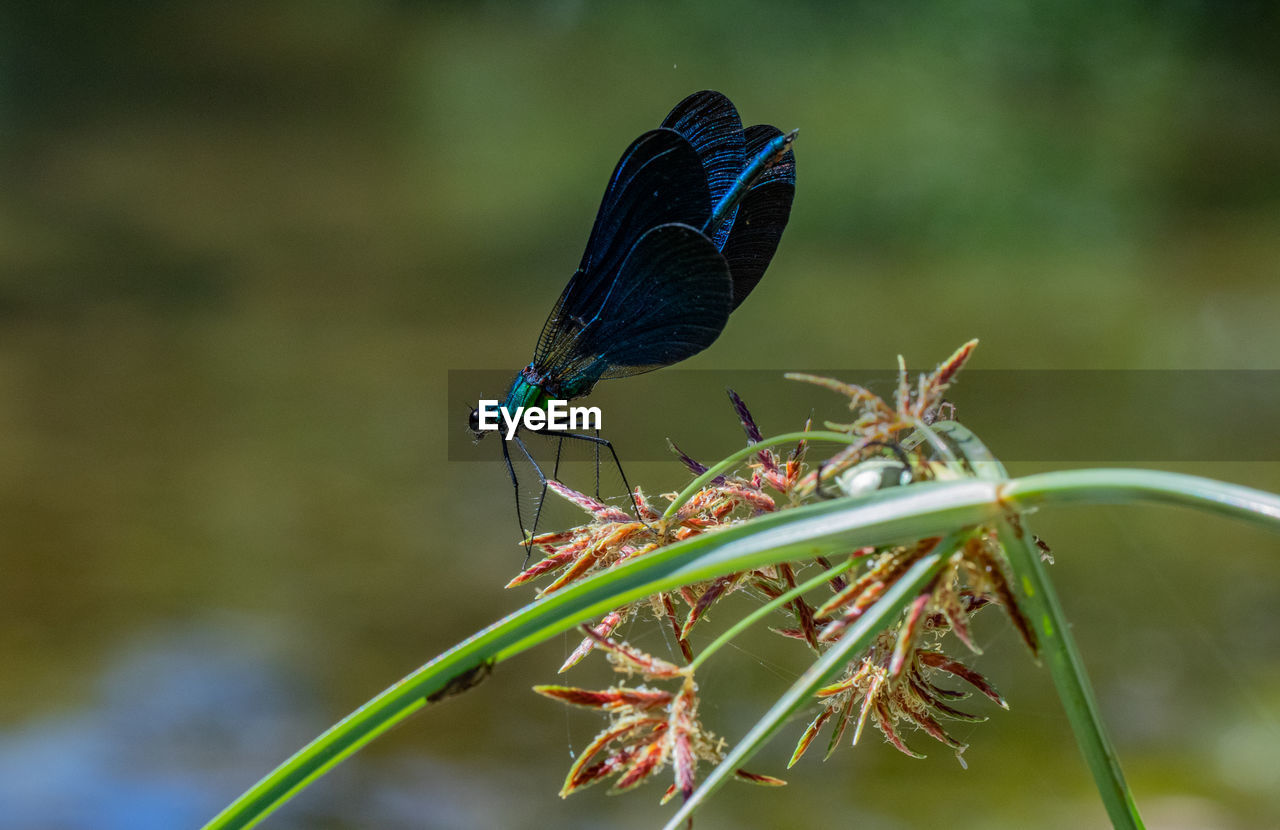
column 165, row 719
column 175, row 720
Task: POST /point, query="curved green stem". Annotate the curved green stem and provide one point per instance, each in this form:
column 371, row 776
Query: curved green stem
column 823, row 529
column 1069, row 677
column 1131, row 485
column 886, row 517
column 746, row 452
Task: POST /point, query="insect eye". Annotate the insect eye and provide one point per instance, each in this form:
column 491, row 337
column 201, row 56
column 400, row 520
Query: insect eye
column 473, row 421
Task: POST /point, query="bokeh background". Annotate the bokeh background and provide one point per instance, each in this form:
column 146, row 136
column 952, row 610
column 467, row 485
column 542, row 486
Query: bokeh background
column 242, row 244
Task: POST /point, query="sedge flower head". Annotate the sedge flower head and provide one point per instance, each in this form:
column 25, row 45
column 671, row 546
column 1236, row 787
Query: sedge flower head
column 904, row 681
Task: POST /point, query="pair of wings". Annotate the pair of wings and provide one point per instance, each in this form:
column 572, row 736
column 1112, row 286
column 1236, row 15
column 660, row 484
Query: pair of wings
column 655, row 285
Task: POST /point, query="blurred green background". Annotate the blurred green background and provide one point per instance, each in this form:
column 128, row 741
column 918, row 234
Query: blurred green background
column 242, row 244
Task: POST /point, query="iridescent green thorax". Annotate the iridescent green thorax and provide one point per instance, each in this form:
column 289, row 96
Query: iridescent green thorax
column 526, row 391
column 532, row 390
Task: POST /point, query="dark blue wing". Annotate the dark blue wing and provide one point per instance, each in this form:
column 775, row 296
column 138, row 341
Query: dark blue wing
column 711, row 124
column 762, row 216
column 652, row 288
column 669, row 300
column 659, row 180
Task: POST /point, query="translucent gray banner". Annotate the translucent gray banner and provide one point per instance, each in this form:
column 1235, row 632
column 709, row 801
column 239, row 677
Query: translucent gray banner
column 1096, row 416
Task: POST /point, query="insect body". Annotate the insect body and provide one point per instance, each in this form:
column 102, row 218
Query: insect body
column 689, row 222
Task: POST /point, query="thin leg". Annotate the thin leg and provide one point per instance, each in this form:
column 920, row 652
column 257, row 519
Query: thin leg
column 515, row 485
column 555, row 471
column 542, row 478
column 605, row 442
column 595, row 448
column 555, row 476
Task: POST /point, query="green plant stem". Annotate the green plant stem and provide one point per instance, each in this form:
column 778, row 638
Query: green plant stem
column 1110, row 486
column 733, row 460
column 1066, row 666
column 827, row 528
column 887, row 517
column 1058, row 647
column 770, row 606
